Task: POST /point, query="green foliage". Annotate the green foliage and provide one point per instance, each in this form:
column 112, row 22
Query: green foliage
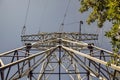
column 101, row 11
column 98, row 8
column 114, row 60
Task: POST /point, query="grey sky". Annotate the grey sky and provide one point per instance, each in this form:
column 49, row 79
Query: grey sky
column 45, row 15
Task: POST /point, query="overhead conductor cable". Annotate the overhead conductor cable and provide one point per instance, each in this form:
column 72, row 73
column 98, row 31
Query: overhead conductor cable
column 62, row 24
column 24, row 27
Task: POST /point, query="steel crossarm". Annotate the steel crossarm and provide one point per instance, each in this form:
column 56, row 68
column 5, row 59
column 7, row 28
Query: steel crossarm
column 37, row 63
column 58, row 53
column 9, row 52
column 44, row 42
column 92, row 58
column 109, row 52
column 86, row 45
column 24, row 59
column 17, row 49
column 75, row 42
column 73, row 35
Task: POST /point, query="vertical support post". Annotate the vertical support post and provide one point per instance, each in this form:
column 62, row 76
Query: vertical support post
column 28, row 47
column 101, row 54
column 81, row 22
column 59, row 62
column 1, row 71
column 9, row 69
column 18, row 63
column 91, row 52
column 2, row 75
column 115, row 71
column 114, row 75
column 59, row 56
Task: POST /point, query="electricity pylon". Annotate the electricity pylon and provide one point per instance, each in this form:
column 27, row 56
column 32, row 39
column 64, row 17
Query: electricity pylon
column 58, row 56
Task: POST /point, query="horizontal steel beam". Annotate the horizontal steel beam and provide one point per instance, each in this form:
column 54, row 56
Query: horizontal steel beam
column 27, row 58
column 86, row 45
column 60, row 73
column 6, row 53
column 92, row 58
column 72, row 35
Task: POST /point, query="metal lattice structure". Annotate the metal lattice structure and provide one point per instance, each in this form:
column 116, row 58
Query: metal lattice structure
column 70, row 35
column 58, row 56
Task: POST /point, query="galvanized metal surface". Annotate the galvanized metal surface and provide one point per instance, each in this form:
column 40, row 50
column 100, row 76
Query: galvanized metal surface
column 57, row 54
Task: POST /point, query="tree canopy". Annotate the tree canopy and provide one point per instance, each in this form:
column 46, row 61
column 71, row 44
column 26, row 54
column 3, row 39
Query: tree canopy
column 102, row 11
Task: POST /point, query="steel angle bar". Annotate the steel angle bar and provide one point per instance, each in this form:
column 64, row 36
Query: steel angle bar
column 23, row 73
column 42, row 70
column 78, row 43
column 26, row 72
column 44, row 41
column 11, row 51
column 102, row 49
column 85, row 44
column 74, row 35
column 27, row 58
column 32, row 67
column 81, row 63
column 44, row 66
column 103, row 69
column 92, row 58
column 15, row 73
column 8, row 52
column 67, row 71
column 1, row 63
column 109, row 52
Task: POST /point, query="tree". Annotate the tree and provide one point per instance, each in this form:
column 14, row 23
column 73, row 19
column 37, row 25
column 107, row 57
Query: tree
column 102, row 11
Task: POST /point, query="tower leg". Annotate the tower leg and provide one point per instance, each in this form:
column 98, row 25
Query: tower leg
column 2, row 75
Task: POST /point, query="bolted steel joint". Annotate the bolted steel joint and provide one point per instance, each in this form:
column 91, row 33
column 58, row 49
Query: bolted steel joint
column 28, row 46
column 90, row 46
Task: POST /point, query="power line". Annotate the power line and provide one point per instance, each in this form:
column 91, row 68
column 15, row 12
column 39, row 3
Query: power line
column 27, row 13
column 62, row 24
column 72, row 23
column 24, row 27
column 42, row 14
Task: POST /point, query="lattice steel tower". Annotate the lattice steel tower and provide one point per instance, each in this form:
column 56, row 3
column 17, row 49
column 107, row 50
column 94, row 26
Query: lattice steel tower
column 58, row 56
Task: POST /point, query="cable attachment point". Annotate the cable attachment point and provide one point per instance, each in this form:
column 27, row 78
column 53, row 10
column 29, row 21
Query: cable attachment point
column 28, row 46
column 90, row 46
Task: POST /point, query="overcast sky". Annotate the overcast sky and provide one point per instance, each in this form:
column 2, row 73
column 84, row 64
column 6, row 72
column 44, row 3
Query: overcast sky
column 44, row 15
